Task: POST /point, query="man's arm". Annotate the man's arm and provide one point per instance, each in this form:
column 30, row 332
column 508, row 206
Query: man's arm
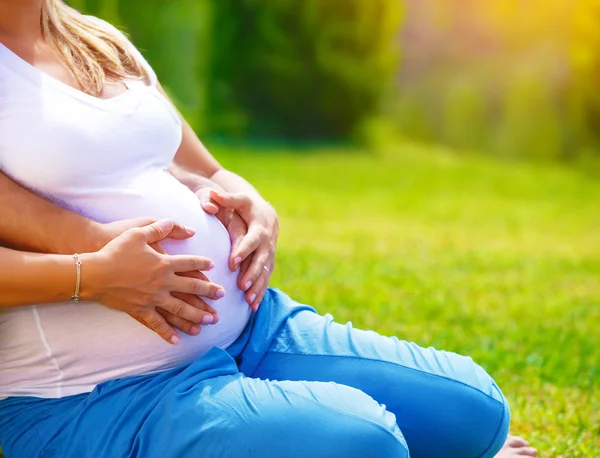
column 31, row 223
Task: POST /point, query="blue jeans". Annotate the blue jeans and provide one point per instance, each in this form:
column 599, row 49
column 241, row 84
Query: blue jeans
column 294, row 385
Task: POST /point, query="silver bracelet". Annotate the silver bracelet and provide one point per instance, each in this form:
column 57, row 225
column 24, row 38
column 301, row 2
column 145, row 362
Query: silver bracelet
column 75, row 297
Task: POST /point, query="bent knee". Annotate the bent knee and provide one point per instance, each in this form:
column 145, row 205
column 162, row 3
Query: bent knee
column 320, row 420
column 357, row 437
column 479, row 422
column 457, row 413
column 495, row 423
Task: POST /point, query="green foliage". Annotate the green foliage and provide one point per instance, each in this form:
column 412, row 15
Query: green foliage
column 496, row 77
column 585, row 58
column 309, row 69
column 465, row 114
column 530, row 122
column 513, row 78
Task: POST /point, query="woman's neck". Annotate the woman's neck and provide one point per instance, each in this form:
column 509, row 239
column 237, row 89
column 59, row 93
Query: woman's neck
column 20, row 19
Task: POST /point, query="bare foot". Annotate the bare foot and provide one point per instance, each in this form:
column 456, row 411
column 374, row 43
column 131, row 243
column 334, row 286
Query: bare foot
column 515, row 447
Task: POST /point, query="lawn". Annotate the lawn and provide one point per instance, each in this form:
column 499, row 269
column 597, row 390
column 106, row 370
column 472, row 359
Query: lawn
column 497, row 260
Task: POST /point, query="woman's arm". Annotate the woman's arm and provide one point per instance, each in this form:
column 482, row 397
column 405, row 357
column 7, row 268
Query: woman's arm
column 126, row 275
column 31, row 223
column 254, row 252
column 193, row 156
column 33, row 278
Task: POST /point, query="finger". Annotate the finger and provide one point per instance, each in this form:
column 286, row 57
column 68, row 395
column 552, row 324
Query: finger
column 255, row 294
column 164, row 228
column 527, row 451
column 186, row 311
column 244, row 268
column 236, row 200
column 197, row 287
column 193, row 274
column 237, row 230
column 203, row 195
column 256, row 268
column 139, row 320
column 181, row 232
column 140, row 222
column 210, row 207
column 159, row 325
column 188, row 263
column 200, row 304
column 247, row 245
column 186, row 326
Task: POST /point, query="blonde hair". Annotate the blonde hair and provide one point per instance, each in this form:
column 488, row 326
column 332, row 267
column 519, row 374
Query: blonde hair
column 94, row 52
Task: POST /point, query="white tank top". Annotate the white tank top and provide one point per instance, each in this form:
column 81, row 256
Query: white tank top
column 107, row 160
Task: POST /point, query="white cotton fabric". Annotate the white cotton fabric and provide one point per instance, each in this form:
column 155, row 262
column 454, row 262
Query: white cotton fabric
column 107, row 160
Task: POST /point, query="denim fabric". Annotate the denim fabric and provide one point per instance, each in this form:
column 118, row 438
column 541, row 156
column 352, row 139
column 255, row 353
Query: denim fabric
column 294, row 385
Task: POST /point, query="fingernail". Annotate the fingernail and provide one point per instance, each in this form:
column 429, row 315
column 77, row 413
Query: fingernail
column 175, row 339
column 252, row 298
column 247, row 285
column 237, row 260
column 190, row 230
column 211, row 265
column 220, row 293
column 208, row 319
column 215, row 318
column 194, row 329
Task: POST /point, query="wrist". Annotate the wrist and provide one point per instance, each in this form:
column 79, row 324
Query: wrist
column 92, row 239
column 192, row 180
column 93, row 276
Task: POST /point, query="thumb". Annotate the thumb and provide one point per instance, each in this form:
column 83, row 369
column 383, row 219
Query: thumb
column 164, row 228
column 235, row 200
column 207, row 204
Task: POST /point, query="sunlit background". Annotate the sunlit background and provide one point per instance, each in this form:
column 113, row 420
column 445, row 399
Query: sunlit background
column 510, row 78
column 434, row 164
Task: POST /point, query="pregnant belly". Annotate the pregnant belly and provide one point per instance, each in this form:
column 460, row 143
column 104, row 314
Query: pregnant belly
column 92, row 343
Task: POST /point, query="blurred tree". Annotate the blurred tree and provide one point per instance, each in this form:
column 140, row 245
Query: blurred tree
column 585, row 57
column 172, row 36
column 514, row 77
column 529, row 124
column 464, row 116
column 312, row 69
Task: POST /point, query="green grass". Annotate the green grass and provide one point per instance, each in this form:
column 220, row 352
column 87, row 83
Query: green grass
column 496, row 260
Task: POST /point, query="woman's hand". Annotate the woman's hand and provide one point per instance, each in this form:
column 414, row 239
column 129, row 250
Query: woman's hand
column 129, row 275
column 104, row 233
column 254, row 251
column 233, row 222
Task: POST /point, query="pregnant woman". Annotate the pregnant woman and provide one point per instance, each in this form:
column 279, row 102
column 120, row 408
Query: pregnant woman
column 91, row 148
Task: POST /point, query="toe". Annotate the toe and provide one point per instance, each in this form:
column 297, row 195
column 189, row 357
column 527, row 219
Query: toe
column 527, row 451
column 516, row 441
